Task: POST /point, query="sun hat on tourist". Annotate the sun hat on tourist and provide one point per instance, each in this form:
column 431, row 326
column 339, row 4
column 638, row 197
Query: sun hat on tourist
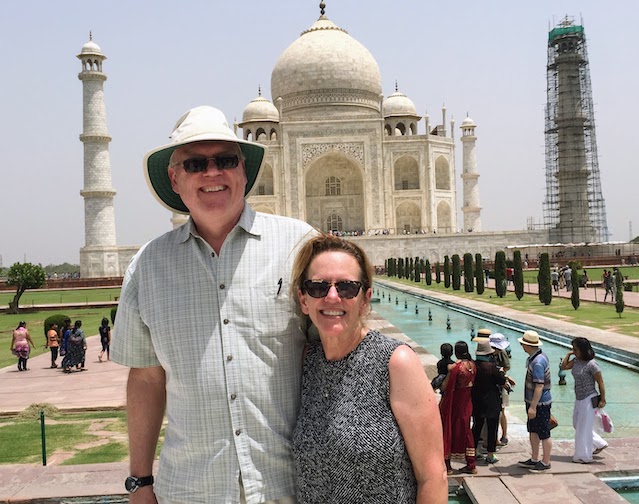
column 484, row 348
column 498, row 341
column 200, row 124
column 482, row 335
column 530, row 338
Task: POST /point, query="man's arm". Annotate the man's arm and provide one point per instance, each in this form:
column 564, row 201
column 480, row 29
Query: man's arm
column 146, row 399
column 532, row 411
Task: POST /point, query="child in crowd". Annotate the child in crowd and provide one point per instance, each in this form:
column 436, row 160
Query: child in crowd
column 442, row 365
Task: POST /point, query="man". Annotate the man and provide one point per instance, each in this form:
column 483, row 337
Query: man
column 206, row 325
column 53, row 342
column 538, row 402
column 568, row 278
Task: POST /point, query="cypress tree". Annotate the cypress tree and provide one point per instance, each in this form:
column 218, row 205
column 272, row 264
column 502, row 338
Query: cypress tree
column 456, row 272
column 417, row 276
column 574, row 281
column 518, row 274
column 438, row 273
column 422, row 267
column 446, row 272
column 469, row 283
column 619, row 304
column 479, row 273
column 543, row 279
column 429, row 273
column 411, row 269
column 500, row 273
column 400, row 268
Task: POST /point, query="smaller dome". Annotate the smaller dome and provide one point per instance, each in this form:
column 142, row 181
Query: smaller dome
column 467, row 122
column 260, row 109
column 91, row 48
column 398, row 104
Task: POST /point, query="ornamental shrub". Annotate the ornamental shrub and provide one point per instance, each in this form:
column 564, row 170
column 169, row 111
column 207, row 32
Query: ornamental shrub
column 429, row 273
column 438, row 273
column 500, row 273
column 469, row 281
column 479, row 273
column 456, row 272
column 543, row 279
column 619, row 304
column 574, row 282
column 446, row 272
column 518, row 274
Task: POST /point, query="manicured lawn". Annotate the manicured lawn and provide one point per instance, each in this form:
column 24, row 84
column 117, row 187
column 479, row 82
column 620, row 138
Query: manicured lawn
column 32, row 297
column 590, row 314
column 594, row 274
column 20, row 437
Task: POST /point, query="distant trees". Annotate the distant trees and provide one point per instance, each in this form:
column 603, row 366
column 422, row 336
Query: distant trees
column 479, row 273
column 500, row 273
column 543, row 279
column 24, row 276
column 518, row 274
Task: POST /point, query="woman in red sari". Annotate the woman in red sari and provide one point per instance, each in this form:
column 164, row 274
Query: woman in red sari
column 456, row 409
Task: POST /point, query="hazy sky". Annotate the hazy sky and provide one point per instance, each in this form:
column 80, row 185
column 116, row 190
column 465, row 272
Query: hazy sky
column 486, row 58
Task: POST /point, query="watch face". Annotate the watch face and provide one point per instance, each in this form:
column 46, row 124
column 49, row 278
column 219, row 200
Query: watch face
column 131, row 484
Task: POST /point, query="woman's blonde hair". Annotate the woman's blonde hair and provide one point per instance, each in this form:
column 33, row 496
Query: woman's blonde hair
column 327, row 243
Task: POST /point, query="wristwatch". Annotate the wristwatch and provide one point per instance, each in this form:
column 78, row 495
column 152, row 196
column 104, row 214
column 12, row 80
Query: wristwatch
column 132, row 483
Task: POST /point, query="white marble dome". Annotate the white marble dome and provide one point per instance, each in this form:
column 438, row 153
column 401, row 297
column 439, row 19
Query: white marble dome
column 467, row 122
column 91, row 48
column 260, row 109
column 399, row 105
column 326, row 65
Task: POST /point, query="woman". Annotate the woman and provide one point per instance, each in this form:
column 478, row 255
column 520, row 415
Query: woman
column 586, row 372
column 76, row 347
column 105, row 338
column 366, row 431
column 21, row 344
column 53, row 342
column 486, row 397
column 456, row 408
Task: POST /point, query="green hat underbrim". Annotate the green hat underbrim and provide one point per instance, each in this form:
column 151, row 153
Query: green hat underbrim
column 156, row 172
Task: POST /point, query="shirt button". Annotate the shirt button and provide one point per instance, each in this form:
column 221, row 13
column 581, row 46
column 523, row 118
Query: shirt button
column 226, row 321
column 221, row 286
column 238, row 432
column 233, row 397
column 229, row 358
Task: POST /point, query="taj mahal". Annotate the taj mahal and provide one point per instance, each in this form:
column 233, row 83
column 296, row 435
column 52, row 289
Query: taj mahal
column 341, row 155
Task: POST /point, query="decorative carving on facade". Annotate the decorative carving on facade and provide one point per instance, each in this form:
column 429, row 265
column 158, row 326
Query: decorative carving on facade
column 312, row 151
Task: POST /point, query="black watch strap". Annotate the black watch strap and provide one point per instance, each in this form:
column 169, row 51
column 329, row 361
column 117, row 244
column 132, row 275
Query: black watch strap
column 132, row 483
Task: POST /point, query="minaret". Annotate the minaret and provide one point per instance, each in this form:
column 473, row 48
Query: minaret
column 470, row 177
column 99, row 257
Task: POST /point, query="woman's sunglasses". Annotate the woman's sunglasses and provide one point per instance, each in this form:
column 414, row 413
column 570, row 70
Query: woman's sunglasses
column 201, row 163
column 346, row 289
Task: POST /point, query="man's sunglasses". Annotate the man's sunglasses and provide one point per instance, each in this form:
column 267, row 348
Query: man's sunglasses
column 347, row 289
column 201, row 163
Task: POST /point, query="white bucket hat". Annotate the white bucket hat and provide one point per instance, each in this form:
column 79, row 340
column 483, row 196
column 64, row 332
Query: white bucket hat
column 498, row 341
column 200, row 124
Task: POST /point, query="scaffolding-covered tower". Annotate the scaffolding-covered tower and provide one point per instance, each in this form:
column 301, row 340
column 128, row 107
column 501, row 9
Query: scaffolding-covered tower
column 574, row 208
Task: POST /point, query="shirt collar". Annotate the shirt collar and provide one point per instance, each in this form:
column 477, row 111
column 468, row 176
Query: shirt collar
column 247, row 222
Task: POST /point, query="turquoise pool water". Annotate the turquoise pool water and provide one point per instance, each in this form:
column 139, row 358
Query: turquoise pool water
column 622, row 392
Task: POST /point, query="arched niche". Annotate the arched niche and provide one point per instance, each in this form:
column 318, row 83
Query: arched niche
column 260, row 135
column 444, row 218
column 248, row 135
column 273, row 134
column 264, row 183
column 344, row 179
column 408, row 217
column 406, row 173
column 388, row 130
column 400, row 129
column 442, row 174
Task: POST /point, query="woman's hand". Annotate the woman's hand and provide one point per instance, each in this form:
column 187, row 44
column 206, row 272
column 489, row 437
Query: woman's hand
column 602, row 403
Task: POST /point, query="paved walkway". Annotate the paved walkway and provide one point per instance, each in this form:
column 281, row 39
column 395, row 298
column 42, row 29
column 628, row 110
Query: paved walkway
column 102, row 386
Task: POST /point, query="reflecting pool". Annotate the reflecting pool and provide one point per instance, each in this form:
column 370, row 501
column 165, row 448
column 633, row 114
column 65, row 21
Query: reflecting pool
column 622, row 392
